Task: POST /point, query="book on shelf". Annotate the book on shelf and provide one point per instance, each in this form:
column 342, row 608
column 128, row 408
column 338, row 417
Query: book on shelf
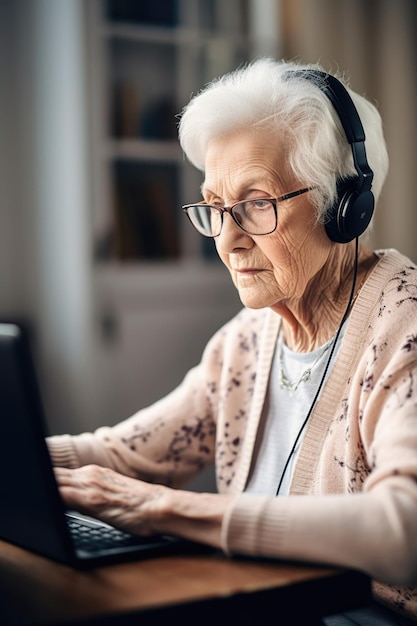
column 145, row 213
column 150, row 12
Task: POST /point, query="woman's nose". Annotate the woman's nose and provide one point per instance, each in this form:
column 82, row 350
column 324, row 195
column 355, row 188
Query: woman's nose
column 232, row 236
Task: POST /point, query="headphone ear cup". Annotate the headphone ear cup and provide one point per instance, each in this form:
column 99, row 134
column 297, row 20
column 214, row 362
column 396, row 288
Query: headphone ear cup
column 350, row 215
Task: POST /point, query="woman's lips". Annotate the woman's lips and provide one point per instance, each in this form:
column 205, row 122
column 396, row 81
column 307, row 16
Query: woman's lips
column 247, row 272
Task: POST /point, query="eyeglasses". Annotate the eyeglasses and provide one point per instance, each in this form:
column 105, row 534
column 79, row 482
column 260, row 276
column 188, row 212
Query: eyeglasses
column 257, row 216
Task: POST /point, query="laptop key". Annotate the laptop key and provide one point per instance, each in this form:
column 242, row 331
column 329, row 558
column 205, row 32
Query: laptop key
column 99, row 537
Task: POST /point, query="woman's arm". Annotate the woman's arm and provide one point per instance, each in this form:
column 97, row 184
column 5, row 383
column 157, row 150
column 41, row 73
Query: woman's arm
column 174, row 439
column 373, row 532
column 167, row 442
column 161, row 443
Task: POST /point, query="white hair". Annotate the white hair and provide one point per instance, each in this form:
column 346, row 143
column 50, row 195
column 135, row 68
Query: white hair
column 264, row 95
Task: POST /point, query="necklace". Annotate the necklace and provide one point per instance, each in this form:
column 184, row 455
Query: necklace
column 284, row 382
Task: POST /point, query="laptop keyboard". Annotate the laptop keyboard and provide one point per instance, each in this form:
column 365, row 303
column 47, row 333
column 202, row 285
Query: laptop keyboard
column 87, row 536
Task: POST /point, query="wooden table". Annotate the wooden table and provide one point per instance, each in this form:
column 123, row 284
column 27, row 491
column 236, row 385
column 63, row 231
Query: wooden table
column 198, row 589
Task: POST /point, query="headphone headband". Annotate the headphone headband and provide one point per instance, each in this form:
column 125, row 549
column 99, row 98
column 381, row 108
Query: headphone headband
column 351, row 122
column 352, row 212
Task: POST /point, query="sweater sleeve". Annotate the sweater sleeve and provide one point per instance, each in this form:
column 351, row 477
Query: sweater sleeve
column 167, row 442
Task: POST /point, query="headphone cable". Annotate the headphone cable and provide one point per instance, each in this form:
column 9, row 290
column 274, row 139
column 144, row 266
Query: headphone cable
column 329, row 358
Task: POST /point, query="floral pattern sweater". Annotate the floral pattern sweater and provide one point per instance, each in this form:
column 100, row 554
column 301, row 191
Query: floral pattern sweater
column 353, row 496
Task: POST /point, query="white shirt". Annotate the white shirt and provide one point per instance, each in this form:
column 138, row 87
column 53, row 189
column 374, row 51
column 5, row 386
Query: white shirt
column 283, row 415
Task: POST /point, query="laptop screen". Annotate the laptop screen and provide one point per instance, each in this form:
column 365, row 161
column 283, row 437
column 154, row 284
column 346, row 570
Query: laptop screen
column 32, row 512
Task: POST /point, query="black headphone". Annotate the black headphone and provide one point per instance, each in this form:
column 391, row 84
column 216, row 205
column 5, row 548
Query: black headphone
column 352, row 211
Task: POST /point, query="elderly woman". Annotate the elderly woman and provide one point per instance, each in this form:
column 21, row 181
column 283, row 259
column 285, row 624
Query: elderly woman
column 310, row 392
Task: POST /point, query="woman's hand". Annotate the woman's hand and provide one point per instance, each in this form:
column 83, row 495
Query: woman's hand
column 141, row 508
column 121, row 501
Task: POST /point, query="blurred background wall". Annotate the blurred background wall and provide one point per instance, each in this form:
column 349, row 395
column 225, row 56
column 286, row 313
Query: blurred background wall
column 112, row 327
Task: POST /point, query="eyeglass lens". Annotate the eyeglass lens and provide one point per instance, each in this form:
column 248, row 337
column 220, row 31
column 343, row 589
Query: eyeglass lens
column 257, row 217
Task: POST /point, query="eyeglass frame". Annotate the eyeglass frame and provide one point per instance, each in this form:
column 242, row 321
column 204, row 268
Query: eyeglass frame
column 223, row 210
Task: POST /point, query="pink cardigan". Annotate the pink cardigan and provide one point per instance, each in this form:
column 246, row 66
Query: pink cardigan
column 353, row 495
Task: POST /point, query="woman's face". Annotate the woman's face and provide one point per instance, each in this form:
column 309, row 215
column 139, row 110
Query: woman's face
column 270, row 269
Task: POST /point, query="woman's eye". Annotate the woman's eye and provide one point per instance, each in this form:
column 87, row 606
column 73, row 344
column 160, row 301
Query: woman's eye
column 261, row 204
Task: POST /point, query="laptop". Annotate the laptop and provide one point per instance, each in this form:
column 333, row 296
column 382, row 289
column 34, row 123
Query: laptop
column 33, row 514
